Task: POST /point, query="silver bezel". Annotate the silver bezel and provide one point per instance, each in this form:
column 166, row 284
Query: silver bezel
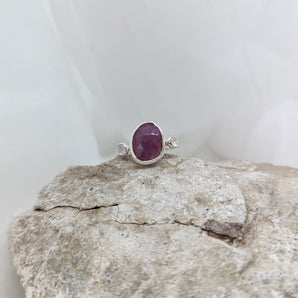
column 147, row 162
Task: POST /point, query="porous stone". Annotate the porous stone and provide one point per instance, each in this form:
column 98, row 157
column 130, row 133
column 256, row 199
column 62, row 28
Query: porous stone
column 179, row 228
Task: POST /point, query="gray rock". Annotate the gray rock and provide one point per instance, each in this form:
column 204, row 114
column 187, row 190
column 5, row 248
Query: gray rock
column 180, row 228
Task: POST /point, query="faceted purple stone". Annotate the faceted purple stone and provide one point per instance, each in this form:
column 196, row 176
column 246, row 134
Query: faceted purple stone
column 147, row 142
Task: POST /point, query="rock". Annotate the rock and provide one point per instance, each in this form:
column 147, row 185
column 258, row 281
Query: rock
column 179, row 228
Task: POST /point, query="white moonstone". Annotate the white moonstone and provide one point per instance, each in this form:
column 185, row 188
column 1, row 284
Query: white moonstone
column 172, row 142
column 122, row 149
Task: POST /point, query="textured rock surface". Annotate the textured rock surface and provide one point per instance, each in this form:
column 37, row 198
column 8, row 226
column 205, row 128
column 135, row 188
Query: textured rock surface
column 180, row 228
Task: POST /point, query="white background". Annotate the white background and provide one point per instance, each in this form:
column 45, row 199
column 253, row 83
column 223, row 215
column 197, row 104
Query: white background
column 77, row 76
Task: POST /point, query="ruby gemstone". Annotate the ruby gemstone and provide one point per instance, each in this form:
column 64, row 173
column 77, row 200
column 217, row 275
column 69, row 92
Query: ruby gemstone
column 147, row 142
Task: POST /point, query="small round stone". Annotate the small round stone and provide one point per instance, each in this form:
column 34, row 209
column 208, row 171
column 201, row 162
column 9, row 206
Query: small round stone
column 147, row 142
column 122, row 149
column 172, row 142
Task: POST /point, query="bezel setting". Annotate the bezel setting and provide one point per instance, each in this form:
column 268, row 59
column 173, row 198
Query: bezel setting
column 151, row 161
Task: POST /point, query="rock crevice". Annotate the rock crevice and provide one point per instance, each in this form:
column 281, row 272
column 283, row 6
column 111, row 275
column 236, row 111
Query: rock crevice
column 39, row 208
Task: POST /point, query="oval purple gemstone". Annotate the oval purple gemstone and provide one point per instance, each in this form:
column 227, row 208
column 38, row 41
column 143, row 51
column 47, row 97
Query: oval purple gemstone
column 147, row 142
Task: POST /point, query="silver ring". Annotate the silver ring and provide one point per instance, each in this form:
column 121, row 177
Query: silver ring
column 148, row 144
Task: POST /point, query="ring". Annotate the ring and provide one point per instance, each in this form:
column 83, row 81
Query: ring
column 148, row 144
